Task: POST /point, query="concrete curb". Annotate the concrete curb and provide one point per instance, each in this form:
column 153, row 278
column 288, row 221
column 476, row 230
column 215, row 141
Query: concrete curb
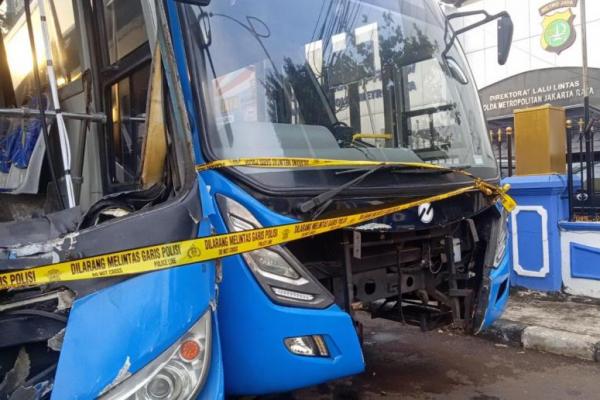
column 543, row 339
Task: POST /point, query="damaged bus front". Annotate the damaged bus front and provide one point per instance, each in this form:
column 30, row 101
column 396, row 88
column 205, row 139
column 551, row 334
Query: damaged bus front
column 347, row 80
column 96, row 157
column 350, row 80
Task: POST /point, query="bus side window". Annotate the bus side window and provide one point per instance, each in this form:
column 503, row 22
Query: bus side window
column 125, row 28
column 128, row 98
column 126, row 82
column 65, row 41
column 26, row 159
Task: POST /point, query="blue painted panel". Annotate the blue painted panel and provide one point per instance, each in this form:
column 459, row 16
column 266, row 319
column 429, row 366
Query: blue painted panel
column 550, row 193
column 579, row 226
column 529, row 230
column 499, row 290
column 253, row 328
column 135, row 320
column 585, row 261
column 184, row 78
column 535, row 185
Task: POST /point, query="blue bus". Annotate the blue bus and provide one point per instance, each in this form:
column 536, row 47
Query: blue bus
column 149, row 91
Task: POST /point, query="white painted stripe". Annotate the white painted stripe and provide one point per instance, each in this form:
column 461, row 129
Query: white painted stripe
column 519, row 269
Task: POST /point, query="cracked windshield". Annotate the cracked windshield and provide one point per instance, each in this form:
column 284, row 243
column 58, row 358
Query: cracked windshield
column 348, row 80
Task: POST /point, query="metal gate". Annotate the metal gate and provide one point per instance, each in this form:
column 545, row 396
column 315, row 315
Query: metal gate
column 583, row 167
column 502, row 144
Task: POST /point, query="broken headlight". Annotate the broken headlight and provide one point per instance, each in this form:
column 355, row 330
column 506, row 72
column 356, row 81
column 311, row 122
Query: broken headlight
column 178, row 373
column 280, row 274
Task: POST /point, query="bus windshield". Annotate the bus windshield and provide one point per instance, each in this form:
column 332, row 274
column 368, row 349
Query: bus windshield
column 336, row 79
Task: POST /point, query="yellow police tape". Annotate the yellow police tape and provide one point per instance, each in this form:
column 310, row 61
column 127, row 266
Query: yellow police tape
column 300, row 162
column 170, row 255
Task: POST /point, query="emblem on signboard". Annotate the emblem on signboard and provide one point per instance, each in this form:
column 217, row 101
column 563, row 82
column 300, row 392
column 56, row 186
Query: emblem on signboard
column 559, row 32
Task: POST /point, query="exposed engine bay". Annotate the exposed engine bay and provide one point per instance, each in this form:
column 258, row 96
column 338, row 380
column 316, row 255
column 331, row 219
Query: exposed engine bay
column 428, row 277
column 33, row 325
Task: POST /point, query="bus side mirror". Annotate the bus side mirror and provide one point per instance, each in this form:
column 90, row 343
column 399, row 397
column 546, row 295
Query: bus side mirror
column 505, row 30
column 505, row 35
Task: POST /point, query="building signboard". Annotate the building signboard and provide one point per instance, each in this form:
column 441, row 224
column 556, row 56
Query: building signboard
column 557, row 86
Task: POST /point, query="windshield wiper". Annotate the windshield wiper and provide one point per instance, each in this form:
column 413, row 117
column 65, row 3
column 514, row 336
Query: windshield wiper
column 414, row 169
column 324, row 200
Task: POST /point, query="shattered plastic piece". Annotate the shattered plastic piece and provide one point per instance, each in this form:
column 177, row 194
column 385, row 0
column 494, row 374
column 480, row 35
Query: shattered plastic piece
column 56, row 341
column 123, row 374
column 15, row 378
column 43, row 388
column 35, row 392
column 65, row 300
column 373, row 226
column 25, row 393
column 115, row 212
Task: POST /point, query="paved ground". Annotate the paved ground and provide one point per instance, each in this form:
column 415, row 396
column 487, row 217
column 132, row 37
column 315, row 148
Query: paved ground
column 567, row 313
column 553, row 323
column 403, row 362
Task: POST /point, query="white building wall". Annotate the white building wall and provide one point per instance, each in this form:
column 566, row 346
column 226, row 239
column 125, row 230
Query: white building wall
column 527, row 53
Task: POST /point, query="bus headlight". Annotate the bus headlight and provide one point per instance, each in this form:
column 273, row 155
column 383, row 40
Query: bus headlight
column 281, row 275
column 501, row 238
column 270, row 263
column 178, row 373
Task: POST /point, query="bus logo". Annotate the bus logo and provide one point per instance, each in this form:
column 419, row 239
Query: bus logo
column 425, row 212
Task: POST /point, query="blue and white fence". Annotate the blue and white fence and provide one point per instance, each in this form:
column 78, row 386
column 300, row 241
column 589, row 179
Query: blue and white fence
column 548, row 252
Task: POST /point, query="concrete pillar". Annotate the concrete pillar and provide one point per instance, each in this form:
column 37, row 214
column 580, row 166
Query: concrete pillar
column 535, row 239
